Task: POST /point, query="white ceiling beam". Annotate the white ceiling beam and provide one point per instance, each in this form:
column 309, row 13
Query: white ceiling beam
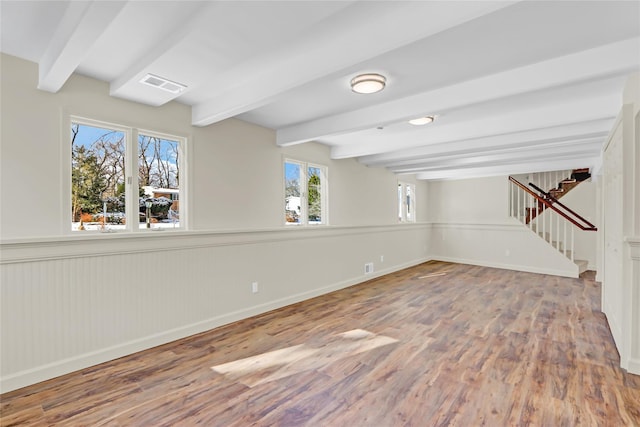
column 525, row 167
column 172, row 37
column 546, row 116
column 585, row 149
column 358, row 40
column 81, row 26
column 602, row 62
column 592, row 145
column 551, row 135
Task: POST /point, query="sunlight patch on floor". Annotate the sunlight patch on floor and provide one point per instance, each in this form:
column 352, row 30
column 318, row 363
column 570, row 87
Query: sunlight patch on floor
column 433, row 275
column 282, row 363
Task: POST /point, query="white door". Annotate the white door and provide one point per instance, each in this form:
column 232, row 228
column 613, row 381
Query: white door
column 612, row 284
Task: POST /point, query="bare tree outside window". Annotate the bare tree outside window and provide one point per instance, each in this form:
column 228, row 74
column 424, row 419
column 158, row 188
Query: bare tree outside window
column 98, row 189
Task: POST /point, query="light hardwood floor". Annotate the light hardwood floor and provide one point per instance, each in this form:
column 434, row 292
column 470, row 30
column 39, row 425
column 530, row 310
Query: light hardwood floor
column 438, row 344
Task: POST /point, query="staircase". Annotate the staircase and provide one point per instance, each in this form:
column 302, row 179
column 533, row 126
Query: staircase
column 545, row 215
column 540, row 180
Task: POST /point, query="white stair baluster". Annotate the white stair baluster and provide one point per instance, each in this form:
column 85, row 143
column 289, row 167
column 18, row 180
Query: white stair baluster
column 564, row 239
column 572, row 241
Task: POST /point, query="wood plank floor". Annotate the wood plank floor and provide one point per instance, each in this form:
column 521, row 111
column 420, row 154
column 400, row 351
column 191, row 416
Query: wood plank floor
column 435, row 345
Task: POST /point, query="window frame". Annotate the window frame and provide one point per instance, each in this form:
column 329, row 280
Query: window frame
column 131, row 174
column 304, row 191
column 182, row 165
column 406, row 211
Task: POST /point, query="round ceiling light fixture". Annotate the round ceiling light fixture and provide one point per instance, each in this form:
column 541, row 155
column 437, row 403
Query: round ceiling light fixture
column 368, row 83
column 422, row 120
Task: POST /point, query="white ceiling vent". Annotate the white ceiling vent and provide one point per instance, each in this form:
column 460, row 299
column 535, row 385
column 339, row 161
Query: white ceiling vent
column 162, row 83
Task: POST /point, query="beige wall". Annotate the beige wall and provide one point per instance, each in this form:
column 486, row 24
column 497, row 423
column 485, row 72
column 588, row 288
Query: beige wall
column 31, row 176
column 235, row 167
column 236, row 233
column 70, row 301
column 480, row 201
column 471, row 224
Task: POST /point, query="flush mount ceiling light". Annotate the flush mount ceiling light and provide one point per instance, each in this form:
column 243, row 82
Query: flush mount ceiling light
column 422, row 120
column 162, row 83
column 368, row 83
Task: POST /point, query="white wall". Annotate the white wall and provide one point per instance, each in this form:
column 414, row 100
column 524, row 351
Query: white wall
column 471, row 225
column 619, row 247
column 70, row 301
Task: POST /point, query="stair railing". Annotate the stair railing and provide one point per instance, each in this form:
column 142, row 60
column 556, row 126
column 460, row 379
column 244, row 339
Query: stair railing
column 587, row 225
column 557, row 232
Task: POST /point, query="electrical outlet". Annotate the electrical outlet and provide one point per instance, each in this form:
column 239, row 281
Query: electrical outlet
column 381, row 258
column 254, row 287
column 507, row 252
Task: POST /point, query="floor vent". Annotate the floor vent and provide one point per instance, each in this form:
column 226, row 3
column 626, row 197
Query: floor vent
column 368, row 268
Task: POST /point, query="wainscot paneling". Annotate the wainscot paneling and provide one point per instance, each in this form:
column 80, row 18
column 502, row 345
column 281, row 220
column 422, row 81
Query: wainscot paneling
column 633, row 249
column 68, row 303
column 509, row 245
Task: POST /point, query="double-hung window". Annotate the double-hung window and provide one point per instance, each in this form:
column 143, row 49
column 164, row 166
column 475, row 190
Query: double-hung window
column 124, row 178
column 406, row 202
column 305, row 193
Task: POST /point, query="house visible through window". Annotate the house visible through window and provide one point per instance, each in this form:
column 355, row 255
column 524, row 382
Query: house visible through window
column 159, row 179
column 305, row 193
column 406, row 202
column 107, row 195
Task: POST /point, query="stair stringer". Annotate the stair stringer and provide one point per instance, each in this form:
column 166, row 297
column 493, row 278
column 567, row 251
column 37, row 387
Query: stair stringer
column 550, row 229
column 540, row 250
column 585, row 242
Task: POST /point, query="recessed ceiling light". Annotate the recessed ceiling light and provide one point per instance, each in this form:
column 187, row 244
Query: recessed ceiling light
column 422, row 120
column 368, row 83
column 162, row 83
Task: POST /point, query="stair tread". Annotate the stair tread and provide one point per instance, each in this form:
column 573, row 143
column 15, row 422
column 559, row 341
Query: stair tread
column 582, row 265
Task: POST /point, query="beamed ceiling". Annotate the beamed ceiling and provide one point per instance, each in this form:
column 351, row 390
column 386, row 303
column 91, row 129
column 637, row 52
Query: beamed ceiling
column 516, row 86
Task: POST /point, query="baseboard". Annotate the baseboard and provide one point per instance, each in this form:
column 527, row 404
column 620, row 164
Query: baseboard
column 503, row 266
column 82, row 361
column 634, row 366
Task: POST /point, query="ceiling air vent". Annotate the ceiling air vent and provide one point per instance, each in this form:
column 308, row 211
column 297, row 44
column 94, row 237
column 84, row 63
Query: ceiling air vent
column 162, row 83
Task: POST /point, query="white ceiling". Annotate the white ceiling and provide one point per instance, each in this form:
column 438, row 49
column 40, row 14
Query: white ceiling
column 517, row 86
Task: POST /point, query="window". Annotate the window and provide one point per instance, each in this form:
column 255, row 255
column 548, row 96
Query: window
column 406, row 202
column 107, row 194
column 305, row 193
column 159, row 180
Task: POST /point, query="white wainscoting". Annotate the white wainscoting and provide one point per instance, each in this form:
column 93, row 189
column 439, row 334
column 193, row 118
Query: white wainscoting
column 507, row 245
column 69, row 303
column 633, row 248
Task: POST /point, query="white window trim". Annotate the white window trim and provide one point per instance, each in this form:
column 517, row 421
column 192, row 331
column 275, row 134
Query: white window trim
column 304, row 204
column 182, row 162
column 403, row 218
column 131, row 179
